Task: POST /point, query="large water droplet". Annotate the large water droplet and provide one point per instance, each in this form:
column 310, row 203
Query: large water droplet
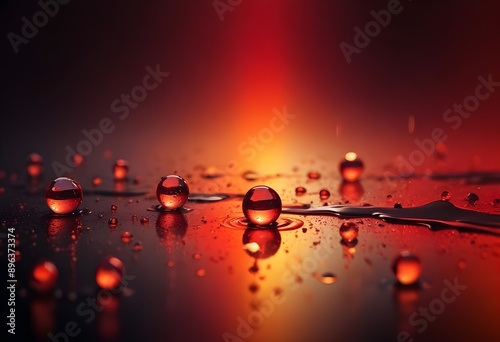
column 407, row 268
column 348, row 231
column 261, row 205
column 120, row 169
column 109, row 273
column 34, row 165
column 44, row 276
column 351, row 167
column 172, row 192
column 64, row 195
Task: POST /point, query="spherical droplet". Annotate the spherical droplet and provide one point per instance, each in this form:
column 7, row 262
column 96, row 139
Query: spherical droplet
column 472, row 198
column 144, row 220
column 326, row 278
column 445, row 196
column 300, row 190
column 197, row 256
column 109, row 273
column 96, row 181
column 44, row 276
column 120, row 169
column 324, row 194
column 127, row 237
column 261, row 205
column 113, row 208
column 172, row 192
column 351, row 167
column 348, row 231
column 34, row 165
column 201, row 272
column 407, row 268
column 137, row 247
column 398, row 205
column 64, row 195
column 314, row 175
column 113, row 222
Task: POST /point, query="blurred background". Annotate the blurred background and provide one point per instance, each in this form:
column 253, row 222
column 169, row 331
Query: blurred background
column 230, row 66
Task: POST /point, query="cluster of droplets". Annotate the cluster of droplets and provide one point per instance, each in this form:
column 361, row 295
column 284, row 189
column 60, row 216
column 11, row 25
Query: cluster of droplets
column 261, row 205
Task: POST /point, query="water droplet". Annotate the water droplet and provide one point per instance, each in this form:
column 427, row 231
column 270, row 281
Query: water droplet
column 144, row 220
column 34, row 165
column 314, row 175
column 64, row 195
column 113, row 222
column 250, row 175
column 96, row 181
column 137, row 247
column 77, row 159
column 348, row 231
column 127, row 237
column 134, row 217
column 407, row 268
column 211, row 172
column 201, row 272
column 113, row 208
column 300, row 190
column 398, row 205
column 172, row 192
column 109, row 273
column 44, row 276
column 351, row 167
column 472, row 198
column 324, row 194
column 326, row 278
column 445, row 196
column 120, row 169
column 196, row 256
column 261, row 205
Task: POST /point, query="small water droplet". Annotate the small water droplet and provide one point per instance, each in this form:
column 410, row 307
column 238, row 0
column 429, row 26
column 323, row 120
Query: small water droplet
column 96, row 181
column 34, row 165
column 109, row 273
column 351, row 167
column 324, row 194
column 144, row 220
column 120, row 169
column 250, row 175
column 134, row 217
column 314, row 175
column 126, row 237
column 407, row 268
column 77, row 159
column 201, row 272
column 113, row 208
column 445, row 196
column 261, row 205
column 398, row 205
column 348, row 231
column 300, row 190
column 211, row 172
column 44, row 276
column 113, row 222
column 472, row 198
column 100, row 215
column 172, row 192
column 196, row 256
column 137, row 247
column 64, row 195
column 326, row 278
